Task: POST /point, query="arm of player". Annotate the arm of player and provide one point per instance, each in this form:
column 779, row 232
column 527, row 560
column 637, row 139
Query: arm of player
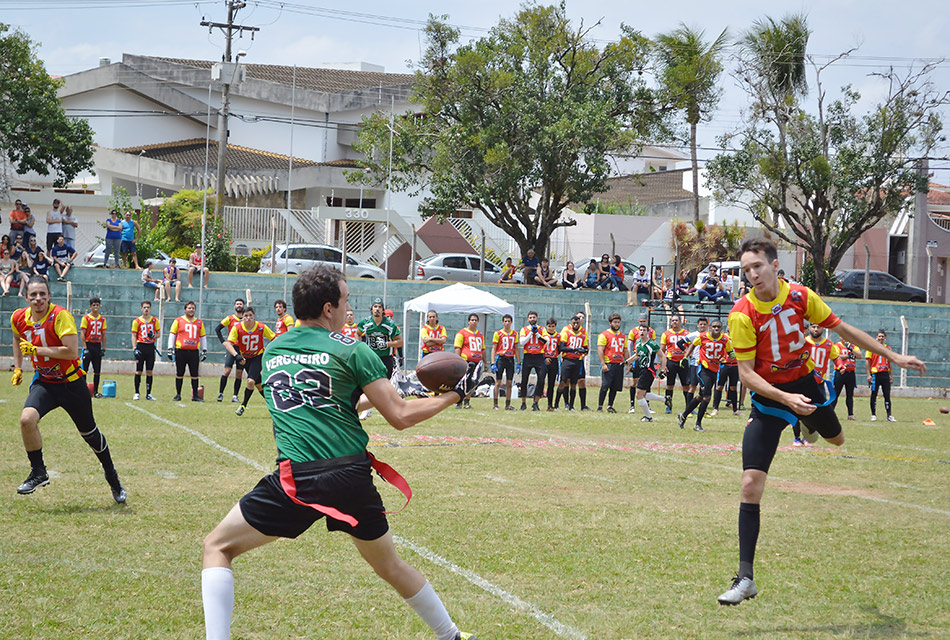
column 68, row 351
column 603, row 360
column 400, row 413
column 171, row 340
column 229, row 347
column 863, row 340
column 797, row 402
column 395, row 343
column 219, row 330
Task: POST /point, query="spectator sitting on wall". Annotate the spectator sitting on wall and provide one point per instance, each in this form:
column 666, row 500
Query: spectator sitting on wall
column 569, row 279
column 683, row 284
column 40, row 265
column 592, row 275
column 641, row 281
column 615, row 278
column 710, row 288
column 529, row 267
column 656, row 287
column 149, row 282
column 196, row 264
column 63, row 256
column 544, row 276
column 507, row 272
column 171, row 279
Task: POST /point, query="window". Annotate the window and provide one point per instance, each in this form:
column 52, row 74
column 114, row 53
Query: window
column 477, row 265
column 455, row 262
column 459, row 214
column 333, row 255
column 334, row 202
column 368, row 203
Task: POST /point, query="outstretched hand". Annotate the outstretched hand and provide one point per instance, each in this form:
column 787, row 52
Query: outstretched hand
column 910, row 362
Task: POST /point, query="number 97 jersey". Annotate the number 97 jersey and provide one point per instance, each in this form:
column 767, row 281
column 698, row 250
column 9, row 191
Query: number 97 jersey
column 772, row 332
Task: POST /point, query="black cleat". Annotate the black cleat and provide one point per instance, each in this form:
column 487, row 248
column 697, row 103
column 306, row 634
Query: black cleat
column 118, row 491
column 535, row 407
column 197, row 399
column 220, row 397
column 34, row 481
column 611, row 410
column 177, row 398
column 681, row 419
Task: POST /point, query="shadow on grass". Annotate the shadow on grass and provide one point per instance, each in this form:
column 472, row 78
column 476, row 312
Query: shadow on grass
column 885, row 626
column 72, row 509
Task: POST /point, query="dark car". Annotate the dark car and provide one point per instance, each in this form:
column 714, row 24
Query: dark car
column 881, row 286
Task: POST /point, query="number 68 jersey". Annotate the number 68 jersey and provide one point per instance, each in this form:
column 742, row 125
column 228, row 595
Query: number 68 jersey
column 313, row 379
column 772, row 332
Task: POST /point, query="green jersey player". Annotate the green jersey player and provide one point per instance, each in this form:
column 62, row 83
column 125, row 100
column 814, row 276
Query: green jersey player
column 381, row 334
column 644, row 349
column 313, row 378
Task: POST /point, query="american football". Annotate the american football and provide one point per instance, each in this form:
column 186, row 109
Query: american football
column 441, row 371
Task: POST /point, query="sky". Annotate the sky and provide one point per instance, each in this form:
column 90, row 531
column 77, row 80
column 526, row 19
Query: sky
column 74, row 34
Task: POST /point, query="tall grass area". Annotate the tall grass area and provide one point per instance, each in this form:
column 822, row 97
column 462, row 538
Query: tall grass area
column 531, row 526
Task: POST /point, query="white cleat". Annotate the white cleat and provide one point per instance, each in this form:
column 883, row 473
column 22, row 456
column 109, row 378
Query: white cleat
column 741, row 589
column 891, row 419
column 366, row 414
column 136, row 396
column 873, row 418
column 808, row 435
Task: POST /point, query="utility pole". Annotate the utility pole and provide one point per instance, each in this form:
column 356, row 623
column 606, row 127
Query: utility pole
column 227, row 78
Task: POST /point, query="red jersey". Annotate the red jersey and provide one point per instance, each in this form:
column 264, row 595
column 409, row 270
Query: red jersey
column 876, row 363
column 92, row 327
column 284, row 324
column 533, row 345
column 848, row 357
column 437, row 331
column 771, row 332
column 614, row 344
column 350, row 330
column 551, row 346
column 471, row 343
column 823, row 354
column 47, row 332
column 572, row 340
column 250, row 342
column 231, row 321
column 188, row 333
column 670, row 341
column 712, row 350
column 146, row 331
column 504, row 342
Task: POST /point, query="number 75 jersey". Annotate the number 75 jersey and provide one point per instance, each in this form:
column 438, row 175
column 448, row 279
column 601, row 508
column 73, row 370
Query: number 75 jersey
column 772, row 332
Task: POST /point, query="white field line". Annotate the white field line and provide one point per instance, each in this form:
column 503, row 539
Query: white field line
column 514, row 601
column 694, row 462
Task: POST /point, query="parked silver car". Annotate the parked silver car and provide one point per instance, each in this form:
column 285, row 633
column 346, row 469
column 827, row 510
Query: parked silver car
column 296, row 258
column 461, row 267
column 96, row 257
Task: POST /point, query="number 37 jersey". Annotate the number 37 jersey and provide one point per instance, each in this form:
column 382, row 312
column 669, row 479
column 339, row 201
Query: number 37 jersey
column 772, row 332
column 312, row 381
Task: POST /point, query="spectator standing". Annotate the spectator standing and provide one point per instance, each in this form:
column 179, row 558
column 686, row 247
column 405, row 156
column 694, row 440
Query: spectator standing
column 29, row 221
column 529, row 267
column 63, row 256
column 196, row 264
column 54, row 224
column 92, row 341
column 113, row 239
column 70, row 224
column 150, row 283
column 507, row 272
column 130, row 229
column 17, row 218
column 171, row 279
column 569, row 279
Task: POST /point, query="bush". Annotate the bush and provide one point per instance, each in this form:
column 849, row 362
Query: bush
column 179, row 229
column 253, row 263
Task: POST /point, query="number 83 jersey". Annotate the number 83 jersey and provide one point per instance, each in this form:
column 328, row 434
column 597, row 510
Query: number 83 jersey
column 772, row 332
column 313, row 379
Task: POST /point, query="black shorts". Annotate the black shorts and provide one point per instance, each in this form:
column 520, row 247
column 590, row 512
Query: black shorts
column 92, row 356
column 644, row 377
column 346, row 484
column 707, row 380
column 186, row 358
column 571, row 369
column 612, row 378
column 146, row 357
column 728, row 376
column 506, row 367
column 389, row 362
column 232, row 361
column 252, row 367
column 762, row 431
column 693, row 375
column 677, row 369
column 73, row 397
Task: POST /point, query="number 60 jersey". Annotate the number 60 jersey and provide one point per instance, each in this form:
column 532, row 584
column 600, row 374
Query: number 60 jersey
column 772, row 332
column 313, row 379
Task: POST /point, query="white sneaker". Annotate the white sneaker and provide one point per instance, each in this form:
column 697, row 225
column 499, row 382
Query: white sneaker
column 873, row 418
column 632, row 410
column 741, row 589
column 891, row 419
column 365, row 414
column 149, row 396
column 136, row 396
column 808, row 435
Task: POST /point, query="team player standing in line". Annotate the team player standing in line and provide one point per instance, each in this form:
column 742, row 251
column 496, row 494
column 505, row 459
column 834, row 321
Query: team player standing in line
column 504, row 359
column 185, row 337
column 223, row 330
column 612, row 349
column 532, row 340
column 767, row 329
column 145, row 335
column 470, row 344
column 879, row 377
column 433, row 335
column 92, row 341
column 285, row 322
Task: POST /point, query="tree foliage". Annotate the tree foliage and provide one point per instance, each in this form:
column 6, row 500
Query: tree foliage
column 35, row 133
column 517, row 124
column 818, row 180
column 179, row 227
column 697, row 245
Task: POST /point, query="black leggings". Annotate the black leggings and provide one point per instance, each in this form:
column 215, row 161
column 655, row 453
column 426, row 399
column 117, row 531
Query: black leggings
column 551, row 377
column 881, row 379
column 532, row 361
column 186, row 358
column 846, row 380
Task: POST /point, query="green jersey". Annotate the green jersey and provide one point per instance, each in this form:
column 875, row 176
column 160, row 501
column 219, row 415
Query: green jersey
column 313, row 379
column 645, row 354
column 377, row 335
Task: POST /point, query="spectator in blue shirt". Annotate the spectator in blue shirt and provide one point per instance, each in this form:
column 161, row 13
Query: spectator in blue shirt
column 113, row 238
column 63, row 256
column 529, row 267
column 40, row 265
column 129, row 228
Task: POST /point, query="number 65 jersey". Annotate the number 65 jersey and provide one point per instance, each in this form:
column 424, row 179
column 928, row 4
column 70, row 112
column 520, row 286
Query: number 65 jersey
column 313, row 379
column 772, row 332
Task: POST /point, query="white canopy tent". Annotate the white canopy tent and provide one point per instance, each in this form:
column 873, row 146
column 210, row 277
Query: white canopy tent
column 458, row 298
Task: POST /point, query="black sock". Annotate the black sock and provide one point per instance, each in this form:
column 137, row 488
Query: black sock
column 247, row 396
column 748, row 537
column 561, row 393
column 95, row 382
column 571, row 395
column 582, row 391
column 633, row 395
column 260, row 390
column 36, row 460
column 687, row 396
column 148, row 385
column 797, row 430
column 732, row 398
column 194, row 387
column 601, row 396
column 669, row 396
column 717, row 398
column 611, row 396
column 692, row 404
column 178, row 382
column 237, row 385
column 701, row 411
column 222, row 385
column 138, row 382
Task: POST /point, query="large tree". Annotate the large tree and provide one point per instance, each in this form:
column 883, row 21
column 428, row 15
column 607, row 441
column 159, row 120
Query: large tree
column 517, row 124
column 689, row 70
column 818, row 178
column 35, row 133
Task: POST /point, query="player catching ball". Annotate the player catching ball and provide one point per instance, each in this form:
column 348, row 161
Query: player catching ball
column 767, row 327
column 313, row 377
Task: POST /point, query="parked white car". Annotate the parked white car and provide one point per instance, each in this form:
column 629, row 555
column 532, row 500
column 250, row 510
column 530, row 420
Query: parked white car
column 460, row 267
column 96, row 257
column 297, row 258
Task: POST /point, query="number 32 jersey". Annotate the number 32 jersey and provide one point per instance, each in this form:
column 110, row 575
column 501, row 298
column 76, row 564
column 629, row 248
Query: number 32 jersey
column 772, row 332
column 312, row 381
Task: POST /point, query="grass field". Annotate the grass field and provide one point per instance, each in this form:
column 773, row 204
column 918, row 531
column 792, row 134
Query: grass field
column 530, row 526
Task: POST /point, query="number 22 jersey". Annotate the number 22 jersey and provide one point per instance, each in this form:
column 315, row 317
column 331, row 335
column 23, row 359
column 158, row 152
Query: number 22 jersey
column 312, row 381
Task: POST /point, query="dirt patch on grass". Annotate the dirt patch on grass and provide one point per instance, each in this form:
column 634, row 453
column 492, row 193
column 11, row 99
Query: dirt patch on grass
column 818, row 489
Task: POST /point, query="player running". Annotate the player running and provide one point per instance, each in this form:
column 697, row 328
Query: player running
column 223, row 330
column 313, row 379
column 643, row 367
column 92, row 341
column 672, row 342
column 766, row 327
column 185, row 337
column 285, row 321
column 145, row 335
column 713, row 345
column 505, row 360
column 433, row 335
column 879, row 377
column 612, row 350
column 470, row 344
column 246, row 344
column 46, row 333
column 727, row 379
column 381, row 334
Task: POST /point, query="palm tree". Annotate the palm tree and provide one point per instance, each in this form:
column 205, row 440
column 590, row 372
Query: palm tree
column 689, row 71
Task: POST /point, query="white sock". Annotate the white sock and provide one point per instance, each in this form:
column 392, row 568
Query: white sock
column 653, row 396
column 429, row 607
column 217, row 594
column 644, row 407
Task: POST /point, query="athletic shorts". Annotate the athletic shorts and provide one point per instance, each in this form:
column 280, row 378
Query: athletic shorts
column 506, row 367
column 252, row 368
column 728, row 376
column 762, row 431
column 92, row 356
column 389, row 362
column 186, row 358
column 73, row 397
column 644, row 377
column 677, row 369
column 613, row 378
column 583, row 372
column 147, row 359
column 346, row 484
column 693, row 374
column 232, row 361
column 571, row 369
column 127, row 246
